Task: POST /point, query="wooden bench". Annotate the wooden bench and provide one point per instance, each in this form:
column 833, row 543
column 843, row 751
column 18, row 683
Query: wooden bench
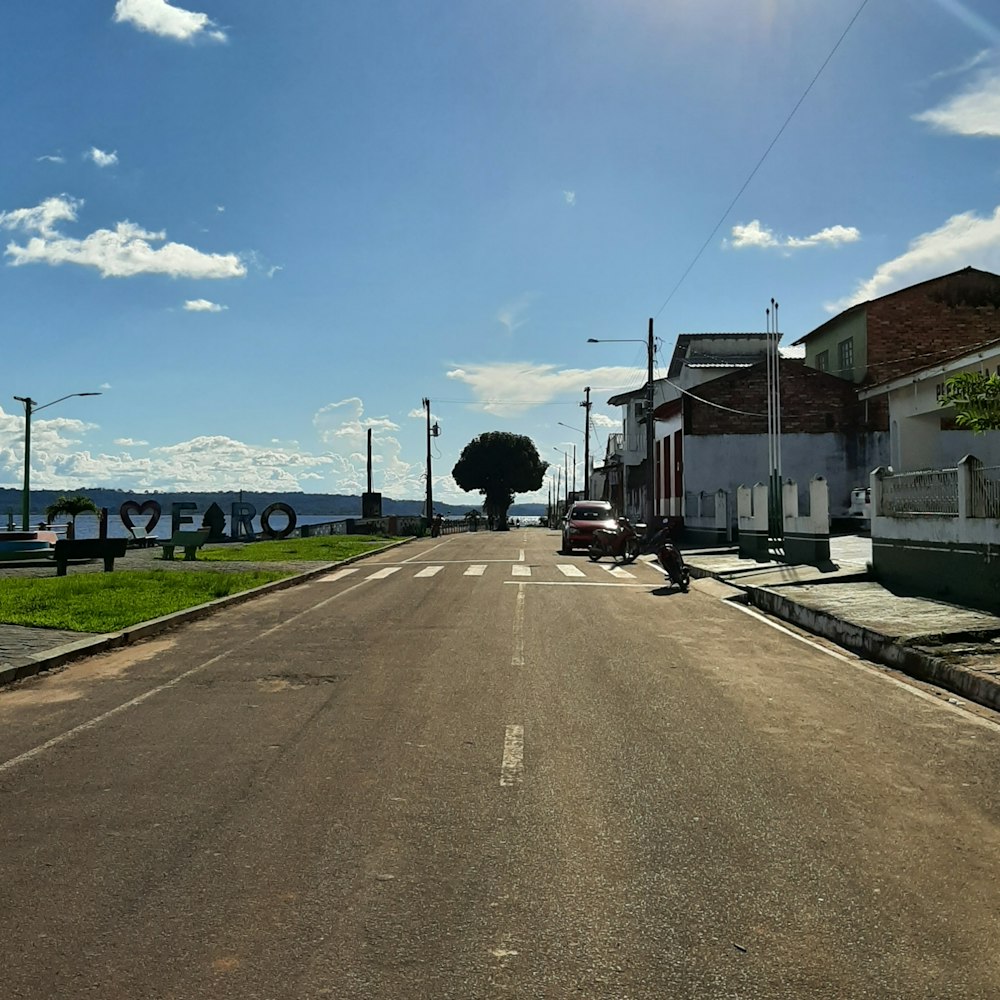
column 189, row 541
column 108, row 549
column 142, row 538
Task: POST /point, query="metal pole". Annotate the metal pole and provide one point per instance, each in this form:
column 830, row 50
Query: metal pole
column 586, row 445
column 650, row 471
column 26, row 489
column 430, row 494
column 574, row 470
column 369, row 460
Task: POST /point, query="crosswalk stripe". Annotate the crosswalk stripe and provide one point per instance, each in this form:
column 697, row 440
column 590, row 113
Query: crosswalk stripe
column 381, row 574
column 568, row 570
column 429, row 571
column 477, row 570
column 520, row 570
column 619, row 573
column 339, row 575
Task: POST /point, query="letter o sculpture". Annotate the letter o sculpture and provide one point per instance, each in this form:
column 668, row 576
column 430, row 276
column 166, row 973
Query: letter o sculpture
column 265, row 520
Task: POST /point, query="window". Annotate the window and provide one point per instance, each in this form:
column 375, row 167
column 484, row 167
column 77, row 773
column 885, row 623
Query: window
column 823, row 361
column 845, row 356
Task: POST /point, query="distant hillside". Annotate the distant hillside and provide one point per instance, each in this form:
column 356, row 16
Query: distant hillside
column 317, row 504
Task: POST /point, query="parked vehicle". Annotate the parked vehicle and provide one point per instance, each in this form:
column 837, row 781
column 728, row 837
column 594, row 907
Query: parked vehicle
column 670, row 559
column 620, row 542
column 582, row 519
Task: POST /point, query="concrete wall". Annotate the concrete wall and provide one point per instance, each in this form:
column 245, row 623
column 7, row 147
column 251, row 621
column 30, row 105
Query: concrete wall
column 726, row 461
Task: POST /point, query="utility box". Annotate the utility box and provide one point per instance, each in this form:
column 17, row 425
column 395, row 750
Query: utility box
column 371, row 505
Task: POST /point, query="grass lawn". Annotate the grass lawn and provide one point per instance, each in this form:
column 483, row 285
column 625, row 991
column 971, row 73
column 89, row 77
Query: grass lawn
column 107, row 602
column 325, row 548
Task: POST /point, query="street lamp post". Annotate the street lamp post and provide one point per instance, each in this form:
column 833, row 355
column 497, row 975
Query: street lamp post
column 650, row 509
column 30, row 407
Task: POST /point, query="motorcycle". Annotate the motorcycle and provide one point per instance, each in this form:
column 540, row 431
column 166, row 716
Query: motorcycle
column 622, row 543
column 670, row 558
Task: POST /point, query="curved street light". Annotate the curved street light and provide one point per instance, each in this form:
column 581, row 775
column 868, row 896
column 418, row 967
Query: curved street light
column 650, row 472
column 30, row 407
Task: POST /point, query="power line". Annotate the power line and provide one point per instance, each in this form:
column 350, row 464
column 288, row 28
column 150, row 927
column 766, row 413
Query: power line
column 760, row 162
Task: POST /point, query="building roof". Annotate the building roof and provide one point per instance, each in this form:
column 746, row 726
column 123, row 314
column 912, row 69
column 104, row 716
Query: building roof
column 694, row 350
column 860, row 306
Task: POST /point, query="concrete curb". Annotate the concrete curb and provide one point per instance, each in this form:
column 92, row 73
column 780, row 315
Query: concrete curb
column 29, row 666
column 977, row 687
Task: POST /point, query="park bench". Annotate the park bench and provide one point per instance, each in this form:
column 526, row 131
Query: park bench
column 142, row 538
column 189, row 541
column 108, row 549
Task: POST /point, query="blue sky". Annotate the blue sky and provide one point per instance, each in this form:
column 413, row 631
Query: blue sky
column 260, row 228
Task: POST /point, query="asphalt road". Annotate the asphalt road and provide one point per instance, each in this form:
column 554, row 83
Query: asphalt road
column 407, row 782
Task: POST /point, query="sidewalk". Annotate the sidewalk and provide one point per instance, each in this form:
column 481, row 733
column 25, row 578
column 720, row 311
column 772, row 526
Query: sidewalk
column 952, row 647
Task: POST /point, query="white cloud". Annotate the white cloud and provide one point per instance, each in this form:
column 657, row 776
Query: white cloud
column 512, row 388
column 569, row 197
column 101, row 158
column 203, row 305
column 754, row 235
column 129, row 443
column 50, row 158
column 42, row 218
column 511, row 315
column 343, row 427
column 975, row 112
column 964, row 240
column 161, row 18
column 603, row 420
column 121, row 252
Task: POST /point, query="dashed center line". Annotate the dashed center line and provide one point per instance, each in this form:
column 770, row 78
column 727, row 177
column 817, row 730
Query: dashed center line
column 512, row 766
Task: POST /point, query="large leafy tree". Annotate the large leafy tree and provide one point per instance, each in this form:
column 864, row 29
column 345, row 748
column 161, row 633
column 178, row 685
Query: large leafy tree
column 499, row 464
column 976, row 398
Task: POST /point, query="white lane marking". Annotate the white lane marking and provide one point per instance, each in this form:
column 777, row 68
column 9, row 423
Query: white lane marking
column 424, row 552
column 518, row 570
column 429, row 571
column 381, row 574
column 339, row 575
column 583, row 583
column 867, row 668
column 9, row 765
column 517, row 656
column 520, row 555
column 477, row 570
column 619, row 572
column 568, row 570
column 512, row 766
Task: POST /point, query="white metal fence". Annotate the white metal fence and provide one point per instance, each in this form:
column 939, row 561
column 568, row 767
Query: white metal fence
column 933, row 491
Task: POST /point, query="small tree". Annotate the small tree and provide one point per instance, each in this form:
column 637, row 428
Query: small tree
column 499, row 464
column 70, row 507
column 976, row 398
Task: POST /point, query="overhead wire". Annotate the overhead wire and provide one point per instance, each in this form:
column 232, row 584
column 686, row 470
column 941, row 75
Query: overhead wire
column 760, row 162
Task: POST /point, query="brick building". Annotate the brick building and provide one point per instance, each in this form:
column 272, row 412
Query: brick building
column 876, row 341
column 825, row 431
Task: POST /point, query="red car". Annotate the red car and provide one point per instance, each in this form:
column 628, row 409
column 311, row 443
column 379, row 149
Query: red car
column 580, row 523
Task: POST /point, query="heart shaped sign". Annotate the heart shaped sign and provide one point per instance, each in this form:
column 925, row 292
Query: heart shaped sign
column 130, row 507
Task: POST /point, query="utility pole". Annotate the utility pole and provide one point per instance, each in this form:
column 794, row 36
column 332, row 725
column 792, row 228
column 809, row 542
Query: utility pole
column 650, row 471
column 434, row 431
column 586, row 444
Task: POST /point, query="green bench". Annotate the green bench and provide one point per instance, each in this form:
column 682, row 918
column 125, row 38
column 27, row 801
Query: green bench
column 108, row 549
column 189, row 541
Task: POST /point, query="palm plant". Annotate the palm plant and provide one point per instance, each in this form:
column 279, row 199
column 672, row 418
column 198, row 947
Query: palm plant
column 70, row 507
